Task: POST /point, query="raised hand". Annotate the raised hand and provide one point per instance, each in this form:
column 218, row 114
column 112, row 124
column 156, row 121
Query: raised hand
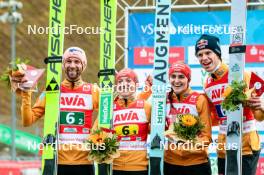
column 256, row 103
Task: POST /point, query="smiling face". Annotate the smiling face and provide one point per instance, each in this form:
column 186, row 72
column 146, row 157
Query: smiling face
column 73, row 68
column 126, row 87
column 208, row 59
column 179, row 82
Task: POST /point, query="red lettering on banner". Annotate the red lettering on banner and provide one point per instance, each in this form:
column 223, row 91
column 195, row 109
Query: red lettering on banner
column 145, row 55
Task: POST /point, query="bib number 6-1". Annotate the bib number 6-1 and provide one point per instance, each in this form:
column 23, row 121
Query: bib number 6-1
column 127, row 130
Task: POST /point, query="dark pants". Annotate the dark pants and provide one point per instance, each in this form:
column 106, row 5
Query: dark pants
column 200, row 169
column 249, row 164
column 75, row 170
column 115, row 172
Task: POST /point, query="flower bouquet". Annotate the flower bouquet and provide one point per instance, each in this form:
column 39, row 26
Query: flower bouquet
column 103, row 146
column 15, row 68
column 185, row 128
column 28, row 75
column 235, row 94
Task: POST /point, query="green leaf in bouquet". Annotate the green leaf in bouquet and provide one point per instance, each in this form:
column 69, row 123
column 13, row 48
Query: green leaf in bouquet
column 189, row 130
column 13, row 64
column 4, row 77
column 236, row 97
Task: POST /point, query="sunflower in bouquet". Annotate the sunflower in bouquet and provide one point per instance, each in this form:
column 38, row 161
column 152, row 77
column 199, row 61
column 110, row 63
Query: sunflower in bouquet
column 187, row 126
column 236, row 94
column 103, row 146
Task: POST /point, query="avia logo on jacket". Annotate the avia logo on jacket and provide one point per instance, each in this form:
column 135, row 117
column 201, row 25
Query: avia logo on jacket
column 75, row 100
column 128, row 116
column 182, row 110
column 215, row 92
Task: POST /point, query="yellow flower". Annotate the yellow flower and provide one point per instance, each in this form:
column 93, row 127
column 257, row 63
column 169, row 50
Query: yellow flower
column 249, row 92
column 227, row 91
column 98, row 138
column 188, row 120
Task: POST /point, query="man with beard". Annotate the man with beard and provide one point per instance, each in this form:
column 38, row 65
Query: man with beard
column 72, row 156
column 208, row 53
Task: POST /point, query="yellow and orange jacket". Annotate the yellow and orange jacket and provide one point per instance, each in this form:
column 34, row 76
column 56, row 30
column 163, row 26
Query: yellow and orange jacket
column 251, row 141
column 131, row 159
column 69, row 155
column 186, row 157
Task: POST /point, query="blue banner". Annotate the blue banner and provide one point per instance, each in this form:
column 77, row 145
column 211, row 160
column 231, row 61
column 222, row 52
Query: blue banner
column 185, row 29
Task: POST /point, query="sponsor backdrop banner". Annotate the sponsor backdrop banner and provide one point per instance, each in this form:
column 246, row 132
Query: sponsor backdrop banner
column 186, row 29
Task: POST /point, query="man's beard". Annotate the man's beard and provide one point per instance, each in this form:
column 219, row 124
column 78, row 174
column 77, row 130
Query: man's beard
column 73, row 75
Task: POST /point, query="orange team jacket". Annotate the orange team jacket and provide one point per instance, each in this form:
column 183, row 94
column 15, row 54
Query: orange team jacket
column 82, row 99
column 181, row 155
column 134, row 117
column 217, row 83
